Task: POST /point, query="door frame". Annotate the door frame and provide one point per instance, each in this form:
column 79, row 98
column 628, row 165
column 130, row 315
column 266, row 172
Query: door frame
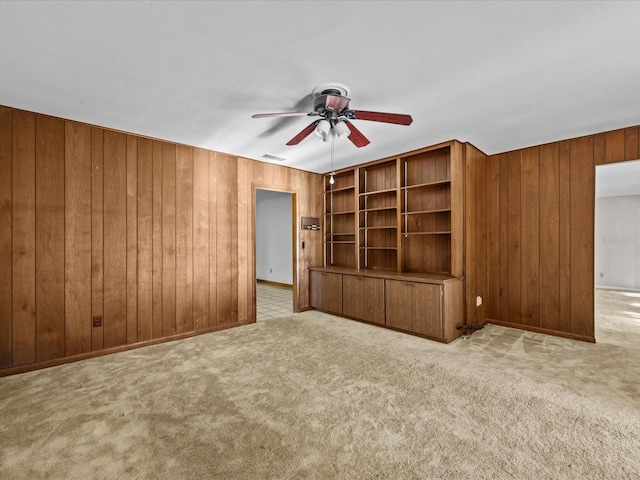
column 295, row 239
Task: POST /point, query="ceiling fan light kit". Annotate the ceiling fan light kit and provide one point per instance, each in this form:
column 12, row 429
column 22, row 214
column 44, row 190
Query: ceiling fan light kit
column 323, row 128
column 341, row 129
column 332, row 105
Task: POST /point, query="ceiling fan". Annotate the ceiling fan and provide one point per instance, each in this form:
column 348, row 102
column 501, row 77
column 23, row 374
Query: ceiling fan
column 331, row 104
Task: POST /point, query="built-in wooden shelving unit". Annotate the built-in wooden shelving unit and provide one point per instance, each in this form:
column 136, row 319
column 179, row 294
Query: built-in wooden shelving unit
column 394, row 233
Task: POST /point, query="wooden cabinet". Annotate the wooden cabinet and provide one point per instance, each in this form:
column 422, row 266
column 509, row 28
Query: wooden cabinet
column 429, row 305
column 363, row 298
column 415, row 307
column 326, row 291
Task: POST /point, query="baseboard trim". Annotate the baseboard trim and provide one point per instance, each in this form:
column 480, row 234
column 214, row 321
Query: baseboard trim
column 275, row 284
column 546, row 331
column 108, row 351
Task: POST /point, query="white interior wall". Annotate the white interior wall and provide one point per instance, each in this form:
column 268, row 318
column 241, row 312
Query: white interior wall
column 274, row 258
column 617, row 242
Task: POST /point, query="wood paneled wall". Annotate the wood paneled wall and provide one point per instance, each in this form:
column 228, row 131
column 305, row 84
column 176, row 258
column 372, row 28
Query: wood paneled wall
column 154, row 237
column 475, row 232
column 540, row 227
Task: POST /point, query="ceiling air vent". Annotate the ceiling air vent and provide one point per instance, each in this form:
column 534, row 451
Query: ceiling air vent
column 275, row 158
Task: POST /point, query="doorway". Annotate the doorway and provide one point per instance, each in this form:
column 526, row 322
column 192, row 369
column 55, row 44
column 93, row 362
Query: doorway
column 617, row 251
column 274, row 253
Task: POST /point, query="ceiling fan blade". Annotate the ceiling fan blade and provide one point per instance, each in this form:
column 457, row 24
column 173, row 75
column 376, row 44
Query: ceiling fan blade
column 283, row 114
column 397, row 118
column 356, row 136
column 303, row 134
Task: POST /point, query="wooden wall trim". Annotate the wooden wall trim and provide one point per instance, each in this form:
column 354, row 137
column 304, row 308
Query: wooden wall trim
column 546, row 331
column 108, row 351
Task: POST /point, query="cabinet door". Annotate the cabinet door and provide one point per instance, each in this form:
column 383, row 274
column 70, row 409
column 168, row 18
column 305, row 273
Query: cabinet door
column 426, row 310
column 363, row 298
column 398, row 304
column 326, row 291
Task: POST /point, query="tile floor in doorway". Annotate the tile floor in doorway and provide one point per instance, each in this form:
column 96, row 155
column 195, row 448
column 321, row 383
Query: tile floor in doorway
column 273, row 301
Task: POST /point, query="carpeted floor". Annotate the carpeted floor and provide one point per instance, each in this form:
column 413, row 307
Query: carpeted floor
column 313, row 396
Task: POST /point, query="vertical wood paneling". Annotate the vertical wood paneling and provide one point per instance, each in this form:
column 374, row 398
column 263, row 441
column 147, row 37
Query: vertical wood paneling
column 97, row 235
column 582, row 219
column 514, row 233
column 201, row 228
column 184, row 239
column 252, row 219
column 233, row 227
column 278, row 176
column 132, row 239
column 457, row 209
column 115, row 239
column 49, row 238
column 225, row 271
column 214, row 164
column 565, row 236
column 245, row 313
column 550, row 236
column 503, row 221
column 311, row 255
column 6, row 314
column 615, row 143
column 530, row 238
column 480, row 260
column 145, row 239
column 157, row 239
column 470, row 235
column 77, row 233
column 97, row 223
column 168, row 239
column 24, row 237
column 475, row 232
column 267, row 173
column 492, row 292
column 631, row 143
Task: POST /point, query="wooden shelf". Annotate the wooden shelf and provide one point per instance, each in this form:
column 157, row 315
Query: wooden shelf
column 427, row 184
column 349, row 212
column 344, row 234
column 379, row 209
column 378, row 192
column 425, row 212
column 384, row 227
column 444, row 232
column 341, row 189
column 378, row 248
column 336, row 242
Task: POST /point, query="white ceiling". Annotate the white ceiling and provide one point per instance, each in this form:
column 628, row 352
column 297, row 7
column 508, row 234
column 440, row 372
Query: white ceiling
column 501, row 75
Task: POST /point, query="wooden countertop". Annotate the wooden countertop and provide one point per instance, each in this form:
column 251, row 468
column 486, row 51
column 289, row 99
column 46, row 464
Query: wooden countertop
column 434, row 278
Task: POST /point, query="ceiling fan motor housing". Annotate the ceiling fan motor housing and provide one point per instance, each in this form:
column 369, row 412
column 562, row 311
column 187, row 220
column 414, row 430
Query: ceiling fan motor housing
column 330, row 105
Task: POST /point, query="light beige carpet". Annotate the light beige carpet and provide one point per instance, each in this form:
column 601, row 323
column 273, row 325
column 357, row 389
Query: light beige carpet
column 313, row 396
